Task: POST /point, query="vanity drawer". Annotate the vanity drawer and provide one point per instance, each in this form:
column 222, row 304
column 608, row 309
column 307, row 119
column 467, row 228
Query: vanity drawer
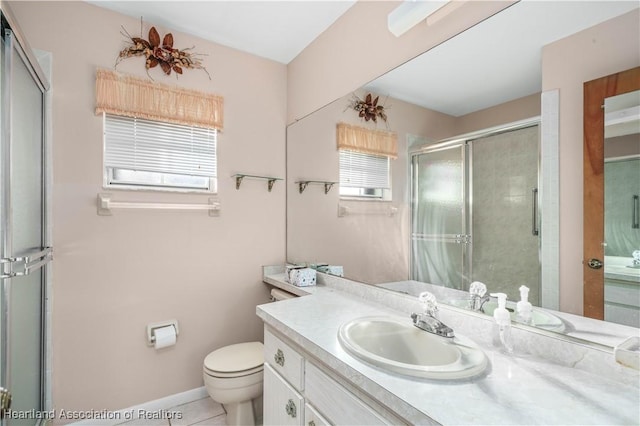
column 313, row 418
column 622, row 293
column 622, row 314
column 283, row 359
column 339, row 405
column 282, row 405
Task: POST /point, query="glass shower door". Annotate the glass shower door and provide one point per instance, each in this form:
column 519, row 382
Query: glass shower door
column 22, row 233
column 439, row 237
column 505, row 218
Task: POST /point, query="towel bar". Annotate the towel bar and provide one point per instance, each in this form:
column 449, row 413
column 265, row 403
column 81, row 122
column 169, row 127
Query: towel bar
column 105, row 205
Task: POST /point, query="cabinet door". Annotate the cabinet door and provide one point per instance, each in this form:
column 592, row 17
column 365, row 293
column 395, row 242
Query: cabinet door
column 282, row 404
column 313, row 418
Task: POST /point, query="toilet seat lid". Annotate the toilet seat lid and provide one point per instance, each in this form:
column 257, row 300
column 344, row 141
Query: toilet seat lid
column 235, row 374
column 234, row 358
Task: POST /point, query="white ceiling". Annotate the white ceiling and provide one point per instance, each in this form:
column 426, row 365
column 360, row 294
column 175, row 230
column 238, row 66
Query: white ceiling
column 496, row 61
column 277, row 30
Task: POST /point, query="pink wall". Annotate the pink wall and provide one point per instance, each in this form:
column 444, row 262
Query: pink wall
column 508, row 112
column 113, row 275
column 358, row 48
column 596, row 52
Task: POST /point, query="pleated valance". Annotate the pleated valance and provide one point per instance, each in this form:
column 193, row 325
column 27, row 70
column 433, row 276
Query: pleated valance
column 131, row 96
column 361, row 139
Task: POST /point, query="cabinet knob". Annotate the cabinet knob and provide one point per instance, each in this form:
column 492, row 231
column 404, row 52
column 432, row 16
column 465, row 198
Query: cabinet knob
column 291, row 408
column 279, row 358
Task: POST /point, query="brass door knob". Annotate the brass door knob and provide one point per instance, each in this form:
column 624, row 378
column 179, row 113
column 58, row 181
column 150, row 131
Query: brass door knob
column 594, row 263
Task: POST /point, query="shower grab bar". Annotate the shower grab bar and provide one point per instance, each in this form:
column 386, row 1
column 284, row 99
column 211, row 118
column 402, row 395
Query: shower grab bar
column 635, row 212
column 387, row 211
column 534, row 212
column 105, row 205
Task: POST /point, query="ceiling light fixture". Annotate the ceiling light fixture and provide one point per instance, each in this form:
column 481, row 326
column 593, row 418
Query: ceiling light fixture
column 410, row 13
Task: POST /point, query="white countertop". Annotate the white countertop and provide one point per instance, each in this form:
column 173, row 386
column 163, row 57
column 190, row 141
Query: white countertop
column 518, row 389
column 617, row 268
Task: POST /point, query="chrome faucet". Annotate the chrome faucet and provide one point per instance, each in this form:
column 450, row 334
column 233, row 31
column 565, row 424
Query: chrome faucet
column 636, row 257
column 427, row 320
column 478, row 296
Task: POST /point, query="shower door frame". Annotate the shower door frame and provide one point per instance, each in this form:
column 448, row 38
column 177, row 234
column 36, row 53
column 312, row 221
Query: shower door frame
column 22, row 48
column 467, row 212
column 464, row 139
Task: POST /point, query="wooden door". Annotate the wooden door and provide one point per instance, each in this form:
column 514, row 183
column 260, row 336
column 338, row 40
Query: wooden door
column 595, row 92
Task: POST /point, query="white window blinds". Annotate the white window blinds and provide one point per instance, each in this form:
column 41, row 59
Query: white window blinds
column 360, row 170
column 153, row 146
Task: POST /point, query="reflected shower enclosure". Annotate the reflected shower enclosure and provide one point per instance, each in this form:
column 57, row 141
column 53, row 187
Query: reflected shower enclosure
column 474, row 213
column 622, row 206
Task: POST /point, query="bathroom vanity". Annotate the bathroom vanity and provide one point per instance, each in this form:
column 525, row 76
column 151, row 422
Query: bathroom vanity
column 298, row 388
column 310, row 379
column 621, row 291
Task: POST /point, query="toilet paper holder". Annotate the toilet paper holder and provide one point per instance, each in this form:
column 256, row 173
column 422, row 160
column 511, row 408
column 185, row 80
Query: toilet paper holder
column 151, row 330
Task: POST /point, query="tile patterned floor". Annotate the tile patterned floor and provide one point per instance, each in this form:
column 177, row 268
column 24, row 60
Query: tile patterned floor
column 203, row 412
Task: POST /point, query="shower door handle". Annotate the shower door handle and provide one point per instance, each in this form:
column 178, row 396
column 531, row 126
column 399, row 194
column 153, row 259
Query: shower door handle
column 28, row 263
column 534, row 212
column 635, row 213
column 5, row 402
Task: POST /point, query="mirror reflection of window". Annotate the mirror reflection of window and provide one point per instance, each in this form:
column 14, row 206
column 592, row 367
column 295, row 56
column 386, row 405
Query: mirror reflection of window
column 364, row 175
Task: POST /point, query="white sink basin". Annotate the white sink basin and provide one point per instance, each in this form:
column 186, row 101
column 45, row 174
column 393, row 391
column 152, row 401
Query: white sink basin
column 400, row 347
column 539, row 317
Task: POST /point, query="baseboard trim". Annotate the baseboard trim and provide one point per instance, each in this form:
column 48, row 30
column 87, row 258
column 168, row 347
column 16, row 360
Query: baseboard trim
column 109, row 418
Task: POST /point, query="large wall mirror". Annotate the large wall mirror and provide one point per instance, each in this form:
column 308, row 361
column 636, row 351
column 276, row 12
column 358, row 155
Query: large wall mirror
column 464, row 194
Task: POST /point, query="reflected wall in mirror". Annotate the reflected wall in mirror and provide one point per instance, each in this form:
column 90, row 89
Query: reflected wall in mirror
column 474, row 87
column 610, row 109
column 369, row 238
column 622, row 208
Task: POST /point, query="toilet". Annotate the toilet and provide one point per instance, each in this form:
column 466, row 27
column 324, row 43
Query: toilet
column 233, row 377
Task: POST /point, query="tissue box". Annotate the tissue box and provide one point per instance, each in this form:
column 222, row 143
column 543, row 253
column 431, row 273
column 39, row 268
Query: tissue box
column 300, row 277
column 336, row 270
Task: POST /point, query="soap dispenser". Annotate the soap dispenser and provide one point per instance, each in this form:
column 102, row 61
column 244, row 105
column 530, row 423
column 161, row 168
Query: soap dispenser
column 523, row 307
column 502, row 329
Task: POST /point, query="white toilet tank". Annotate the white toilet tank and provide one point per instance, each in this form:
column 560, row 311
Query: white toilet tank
column 277, row 294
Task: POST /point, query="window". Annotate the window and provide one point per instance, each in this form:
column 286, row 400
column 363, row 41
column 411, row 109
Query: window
column 364, row 175
column 157, row 136
column 140, row 153
column 365, row 156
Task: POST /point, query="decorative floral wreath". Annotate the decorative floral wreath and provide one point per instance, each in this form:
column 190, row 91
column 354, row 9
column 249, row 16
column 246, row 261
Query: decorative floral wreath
column 162, row 54
column 368, row 108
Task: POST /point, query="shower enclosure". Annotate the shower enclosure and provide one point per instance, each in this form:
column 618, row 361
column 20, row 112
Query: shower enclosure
column 24, row 252
column 475, row 213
